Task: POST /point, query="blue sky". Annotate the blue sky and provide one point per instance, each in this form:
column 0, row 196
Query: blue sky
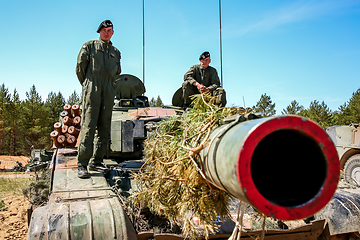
column 291, row 50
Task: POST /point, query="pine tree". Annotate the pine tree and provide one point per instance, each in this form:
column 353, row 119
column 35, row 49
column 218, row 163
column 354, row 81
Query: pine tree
column 152, row 102
column 265, row 106
column 35, row 120
column 159, row 102
column 4, row 104
column 319, row 113
column 54, row 106
column 74, row 98
column 156, row 103
column 350, row 112
column 16, row 144
column 337, row 118
column 293, row 108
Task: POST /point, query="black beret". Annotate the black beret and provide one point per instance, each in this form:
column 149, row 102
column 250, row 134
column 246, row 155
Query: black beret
column 104, row 24
column 204, row 55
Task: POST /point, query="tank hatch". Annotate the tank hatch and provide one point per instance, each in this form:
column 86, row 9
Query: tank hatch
column 128, row 87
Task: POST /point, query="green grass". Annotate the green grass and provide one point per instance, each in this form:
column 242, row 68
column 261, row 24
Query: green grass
column 13, row 186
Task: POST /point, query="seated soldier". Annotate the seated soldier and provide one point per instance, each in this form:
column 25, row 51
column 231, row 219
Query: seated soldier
column 203, row 78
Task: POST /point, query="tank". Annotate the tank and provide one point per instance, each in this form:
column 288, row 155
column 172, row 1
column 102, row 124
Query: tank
column 246, row 154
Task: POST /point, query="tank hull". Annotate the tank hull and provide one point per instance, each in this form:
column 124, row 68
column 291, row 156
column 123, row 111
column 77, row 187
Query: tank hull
column 79, row 208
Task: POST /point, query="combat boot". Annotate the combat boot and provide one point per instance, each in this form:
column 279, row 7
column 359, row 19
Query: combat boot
column 99, row 168
column 82, row 172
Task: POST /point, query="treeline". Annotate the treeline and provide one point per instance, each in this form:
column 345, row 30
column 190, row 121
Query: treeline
column 26, row 124
column 347, row 113
column 317, row 111
column 156, row 103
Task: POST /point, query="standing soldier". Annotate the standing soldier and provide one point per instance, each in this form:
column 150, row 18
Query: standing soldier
column 98, row 66
column 203, row 78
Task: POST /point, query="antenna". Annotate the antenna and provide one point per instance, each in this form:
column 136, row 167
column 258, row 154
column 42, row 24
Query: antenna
column 143, row 3
column 221, row 72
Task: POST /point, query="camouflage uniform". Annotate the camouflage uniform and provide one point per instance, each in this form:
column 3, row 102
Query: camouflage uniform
column 208, row 77
column 98, row 66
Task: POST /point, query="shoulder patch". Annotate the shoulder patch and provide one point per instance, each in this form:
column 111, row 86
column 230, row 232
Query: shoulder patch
column 83, row 46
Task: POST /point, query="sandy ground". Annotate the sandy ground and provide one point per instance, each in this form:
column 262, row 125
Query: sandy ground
column 7, row 162
column 13, row 221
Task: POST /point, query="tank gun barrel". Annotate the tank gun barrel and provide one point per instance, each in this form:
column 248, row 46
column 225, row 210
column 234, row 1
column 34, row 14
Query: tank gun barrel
column 285, row 166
